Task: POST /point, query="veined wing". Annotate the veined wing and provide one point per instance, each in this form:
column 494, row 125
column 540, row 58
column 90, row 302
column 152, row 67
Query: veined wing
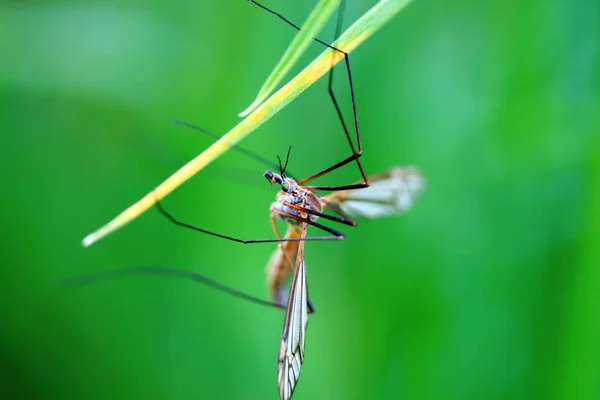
column 388, row 193
column 291, row 352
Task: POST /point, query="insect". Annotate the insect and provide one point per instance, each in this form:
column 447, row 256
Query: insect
column 299, row 205
column 389, row 193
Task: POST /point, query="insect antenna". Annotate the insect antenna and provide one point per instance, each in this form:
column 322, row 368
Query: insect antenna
column 287, row 159
column 280, row 167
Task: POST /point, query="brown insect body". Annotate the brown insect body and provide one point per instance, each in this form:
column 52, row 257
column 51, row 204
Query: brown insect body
column 290, row 203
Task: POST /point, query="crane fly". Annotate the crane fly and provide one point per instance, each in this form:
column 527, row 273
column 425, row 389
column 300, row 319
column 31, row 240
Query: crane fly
column 391, row 192
column 385, row 194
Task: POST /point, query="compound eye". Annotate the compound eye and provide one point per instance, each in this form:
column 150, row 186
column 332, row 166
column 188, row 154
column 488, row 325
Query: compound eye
column 285, row 186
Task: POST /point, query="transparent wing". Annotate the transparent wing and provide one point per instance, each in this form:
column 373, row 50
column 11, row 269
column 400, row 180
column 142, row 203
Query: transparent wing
column 391, row 192
column 291, row 352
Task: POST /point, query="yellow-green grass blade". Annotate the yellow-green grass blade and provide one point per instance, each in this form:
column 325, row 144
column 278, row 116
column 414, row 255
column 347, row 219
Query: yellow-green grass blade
column 311, row 28
column 360, row 31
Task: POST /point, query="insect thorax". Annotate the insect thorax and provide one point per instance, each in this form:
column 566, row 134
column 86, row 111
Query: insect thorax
column 302, row 198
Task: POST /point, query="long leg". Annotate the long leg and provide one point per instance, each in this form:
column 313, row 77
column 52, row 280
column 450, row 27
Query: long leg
column 165, row 271
column 236, row 147
column 335, row 208
column 336, row 235
column 346, row 220
column 356, row 153
column 171, row 272
column 290, row 265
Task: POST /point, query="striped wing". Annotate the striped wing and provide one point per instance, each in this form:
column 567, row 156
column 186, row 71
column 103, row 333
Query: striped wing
column 389, row 193
column 291, row 352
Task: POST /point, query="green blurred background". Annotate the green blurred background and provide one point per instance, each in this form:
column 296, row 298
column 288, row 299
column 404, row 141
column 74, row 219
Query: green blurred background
column 488, row 289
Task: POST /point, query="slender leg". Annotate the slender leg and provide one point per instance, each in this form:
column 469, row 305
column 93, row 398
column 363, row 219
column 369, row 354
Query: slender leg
column 275, row 227
column 165, row 271
column 349, row 221
column 336, row 209
column 236, row 146
column 356, row 152
column 273, row 219
column 336, row 235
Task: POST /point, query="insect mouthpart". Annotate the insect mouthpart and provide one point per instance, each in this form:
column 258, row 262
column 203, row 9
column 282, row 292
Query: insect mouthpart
column 273, row 177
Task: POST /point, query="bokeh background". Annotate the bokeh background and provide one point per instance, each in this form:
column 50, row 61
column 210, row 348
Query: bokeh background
column 488, row 289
